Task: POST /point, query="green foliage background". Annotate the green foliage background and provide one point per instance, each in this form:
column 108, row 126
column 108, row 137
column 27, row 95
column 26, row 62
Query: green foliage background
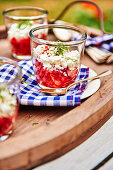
column 76, row 14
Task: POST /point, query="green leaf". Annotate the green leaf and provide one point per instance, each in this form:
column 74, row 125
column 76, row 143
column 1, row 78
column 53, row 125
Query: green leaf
column 74, row 60
column 30, row 74
column 34, row 123
column 24, row 24
column 24, row 81
column 61, row 49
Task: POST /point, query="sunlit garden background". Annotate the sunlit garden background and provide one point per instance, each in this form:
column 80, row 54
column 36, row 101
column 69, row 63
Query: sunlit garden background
column 78, row 14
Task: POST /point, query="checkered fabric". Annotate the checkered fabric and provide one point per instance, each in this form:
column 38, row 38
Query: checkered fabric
column 30, row 94
column 105, row 41
column 29, row 90
column 7, row 73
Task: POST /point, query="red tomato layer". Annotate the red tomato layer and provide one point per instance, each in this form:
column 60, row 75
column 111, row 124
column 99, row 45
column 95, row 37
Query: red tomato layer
column 5, row 125
column 54, row 78
column 22, row 47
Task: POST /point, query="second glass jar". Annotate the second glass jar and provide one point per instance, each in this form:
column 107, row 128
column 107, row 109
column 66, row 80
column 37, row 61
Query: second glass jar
column 19, row 21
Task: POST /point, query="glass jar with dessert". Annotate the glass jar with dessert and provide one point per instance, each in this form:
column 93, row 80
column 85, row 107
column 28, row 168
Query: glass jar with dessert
column 19, row 21
column 56, row 63
column 10, row 76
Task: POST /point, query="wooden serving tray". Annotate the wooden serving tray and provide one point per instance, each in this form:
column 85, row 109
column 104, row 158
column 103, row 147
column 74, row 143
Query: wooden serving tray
column 59, row 129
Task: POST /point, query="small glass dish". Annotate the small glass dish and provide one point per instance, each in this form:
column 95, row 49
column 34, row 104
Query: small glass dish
column 56, row 63
column 10, row 76
column 19, row 21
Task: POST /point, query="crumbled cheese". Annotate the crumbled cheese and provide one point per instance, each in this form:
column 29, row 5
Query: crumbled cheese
column 49, row 60
column 18, row 33
column 7, row 103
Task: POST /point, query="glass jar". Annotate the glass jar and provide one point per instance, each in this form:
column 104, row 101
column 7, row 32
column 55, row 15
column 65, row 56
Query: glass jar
column 56, row 61
column 10, row 76
column 19, row 21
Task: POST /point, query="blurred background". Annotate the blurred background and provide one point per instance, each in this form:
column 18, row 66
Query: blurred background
column 83, row 14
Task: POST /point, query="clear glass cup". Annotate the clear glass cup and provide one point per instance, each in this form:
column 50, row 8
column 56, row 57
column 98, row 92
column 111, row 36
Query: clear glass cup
column 19, row 21
column 56, row 61
column 10, row 76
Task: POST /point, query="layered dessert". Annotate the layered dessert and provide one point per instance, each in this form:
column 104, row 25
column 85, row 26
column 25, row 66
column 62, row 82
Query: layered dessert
column 55, row 67
column 8, row 111
column 18, row 35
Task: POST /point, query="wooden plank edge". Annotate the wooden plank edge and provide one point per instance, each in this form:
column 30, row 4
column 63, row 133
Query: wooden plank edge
column 65, row 148
column 33, row 153
column 74, row 144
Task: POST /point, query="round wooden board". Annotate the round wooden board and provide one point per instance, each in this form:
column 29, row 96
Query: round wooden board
column 59, row 129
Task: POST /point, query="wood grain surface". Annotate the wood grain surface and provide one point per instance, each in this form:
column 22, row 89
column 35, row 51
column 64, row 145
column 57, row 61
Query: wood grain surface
column 94, row 153
column 59, row 129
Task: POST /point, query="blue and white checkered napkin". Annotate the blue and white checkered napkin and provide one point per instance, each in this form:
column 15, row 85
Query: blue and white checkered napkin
column 105, row 41
column 30, row 94
column 7, row 72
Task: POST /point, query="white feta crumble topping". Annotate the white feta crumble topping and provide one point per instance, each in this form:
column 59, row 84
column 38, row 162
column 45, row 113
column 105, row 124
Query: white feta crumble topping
column 50, row 59
column 7, row 103
column 23, row 32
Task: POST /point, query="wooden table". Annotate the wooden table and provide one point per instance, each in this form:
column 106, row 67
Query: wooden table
column 94, row 153
column 59, row 129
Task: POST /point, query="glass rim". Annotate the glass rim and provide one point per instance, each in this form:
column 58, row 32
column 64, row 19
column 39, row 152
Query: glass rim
column 44, row 13
column 5, row 60
column 54, row 43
